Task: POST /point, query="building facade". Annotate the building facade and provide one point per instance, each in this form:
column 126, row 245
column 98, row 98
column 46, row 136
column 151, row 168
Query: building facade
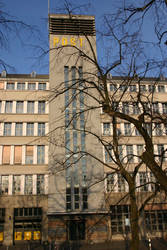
column 58, row 176
column 23, row 157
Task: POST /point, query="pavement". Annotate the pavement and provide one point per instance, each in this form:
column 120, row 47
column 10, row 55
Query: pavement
column 157, row 244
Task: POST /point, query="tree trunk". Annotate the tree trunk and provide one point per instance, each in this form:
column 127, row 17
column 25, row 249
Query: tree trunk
column 134, row 245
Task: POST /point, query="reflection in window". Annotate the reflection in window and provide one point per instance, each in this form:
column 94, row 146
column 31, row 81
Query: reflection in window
column 41, row 154
column 19, row 129
column 40, row 184
column 16, row 184
column 28, row 184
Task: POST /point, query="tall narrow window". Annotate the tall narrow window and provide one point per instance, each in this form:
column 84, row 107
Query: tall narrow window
column 16, row 184
column 161, row 152
column 6, row 155
column 29, row 155
column 30, row 107
column 41, row 107
column 30, row 129
column 19, row 107
column 19, row 129
column 143, row 178
column 18, row 154
column 164, row 108
column 106, row 129
column 127, row 129
column 4, row 184
column 85, row 198
column 129, row 151
column 110, row 182
column 41, row 154
column 68, row 198
column 8, row 107
column 41, row 129
column 76, row 197
column 125, row 107
column 40, row 184
column 108, row 154
column 7, row 128
column 121, row 183
column 28, row 184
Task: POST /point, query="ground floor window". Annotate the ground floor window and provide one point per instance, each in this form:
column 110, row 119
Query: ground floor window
column 27, row 224
column 120, row 218
column 156, row 220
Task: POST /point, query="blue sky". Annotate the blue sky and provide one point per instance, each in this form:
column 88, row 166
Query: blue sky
column 22, row 53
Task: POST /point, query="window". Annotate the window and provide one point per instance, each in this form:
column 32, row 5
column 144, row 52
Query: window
column 161, row 88
column 85, row 197
column 129, row 152
column 41, row 107
column 76, row 197
column 16, row 184
column 6, row 155
column 4, row 184
column 0, row 106
column 31, row 86
column 40, row 184
column 110, row 182
column 113, row 87
column 120, row 151
column 151, row 88
column 155, row 107
column 30, row 129
column 42, row 86
column 153, row 181
column 29, row 155
column 106, row 129
column 127, row 129
column 41, row 154
column 18, row 154
column 135, row 108
column 148, row 127
column 143, row 88
column 10, row 85
column 108, row 154
column 8, row 106
column 115, row 106
column 7, row 128
column 20, row 86
column 161, row 152
column 137, row 133
column 158, row 129
column 30, row 107
column 146, row 107
column 125, row 107
column 28, row 211
column 28, row 184
column 19, row 107
column 123, row 87
column 121, row 183
column 139, row 151
column 118, row 129
column 132, row 88
column 164, row 108
column 41, row 129
column 19, row 129
column 119, row 215
column 68, row 198
column 156, row 220
column 143, row 180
